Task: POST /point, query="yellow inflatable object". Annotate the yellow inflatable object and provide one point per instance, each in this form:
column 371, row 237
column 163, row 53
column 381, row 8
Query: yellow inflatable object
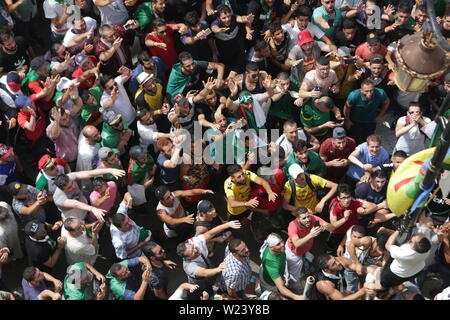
column 403, row 187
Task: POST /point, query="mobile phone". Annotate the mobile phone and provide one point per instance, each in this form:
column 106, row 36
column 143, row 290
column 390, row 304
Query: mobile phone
column 350, row 60
column 316, row 224
column 207, row 31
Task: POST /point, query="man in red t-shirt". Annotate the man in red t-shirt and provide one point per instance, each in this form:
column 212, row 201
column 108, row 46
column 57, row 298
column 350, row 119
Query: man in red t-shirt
column 30, row 118
column 372, row 46
column 85, row 71
column 344, row 211
column 302, row 231
column 160, row 42
column 335, row 152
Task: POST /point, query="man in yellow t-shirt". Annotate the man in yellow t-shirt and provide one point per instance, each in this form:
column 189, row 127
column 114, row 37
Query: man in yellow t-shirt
column 305, row 194
column 237, row 190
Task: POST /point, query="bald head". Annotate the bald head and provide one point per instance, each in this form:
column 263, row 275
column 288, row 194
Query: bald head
column 91, row 134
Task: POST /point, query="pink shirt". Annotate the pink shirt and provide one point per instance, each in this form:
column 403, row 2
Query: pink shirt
column 364, row 53
column 295, row 229
column 109, row 203
column 67, row 141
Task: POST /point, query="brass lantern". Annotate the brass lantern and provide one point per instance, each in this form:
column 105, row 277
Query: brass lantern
column 418, row 60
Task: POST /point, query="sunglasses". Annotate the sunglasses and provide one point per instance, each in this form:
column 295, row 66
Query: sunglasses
column 328, row 2
column 53, row 167
column 254, row 75
column 412, row 112
column 111, row 87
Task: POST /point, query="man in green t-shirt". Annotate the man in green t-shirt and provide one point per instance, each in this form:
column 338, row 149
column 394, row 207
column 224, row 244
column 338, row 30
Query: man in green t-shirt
column 273, row 267
column 316, row 117
column 282, row 107
column 140, row 174
column 90, row 113
column 115, row 132
column 78, row 283
column 124, row 279
column 310, row 161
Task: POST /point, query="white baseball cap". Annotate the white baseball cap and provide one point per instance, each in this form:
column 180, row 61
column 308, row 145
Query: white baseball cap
column 295, row 170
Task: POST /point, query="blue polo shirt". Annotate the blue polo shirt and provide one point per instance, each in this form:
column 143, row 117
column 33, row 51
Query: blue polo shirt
column 321, row 12
column 382, row 157
column 363, row 110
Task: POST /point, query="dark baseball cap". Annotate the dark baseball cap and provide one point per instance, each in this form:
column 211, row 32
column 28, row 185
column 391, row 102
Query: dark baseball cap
column 372, row 38
column 35, row 229
column 204, row 206
column 161, row 191
column 339, row 133
column 16, row 188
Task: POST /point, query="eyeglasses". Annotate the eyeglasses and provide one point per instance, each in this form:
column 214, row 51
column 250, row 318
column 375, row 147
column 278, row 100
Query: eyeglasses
column 412, row 112
column 254, row 75
column 328, row 2
column 111, row 87
column 53, row 167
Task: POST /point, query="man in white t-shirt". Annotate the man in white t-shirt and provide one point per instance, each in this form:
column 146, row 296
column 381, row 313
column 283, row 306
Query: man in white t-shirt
column 112, row 12
column 61, row 14
column 291, row 133
column 115, row 96
column 147, row 130
column 194, row 252
column 79, row 246
column 406, row 260
column 301, row 23
column 80, row 35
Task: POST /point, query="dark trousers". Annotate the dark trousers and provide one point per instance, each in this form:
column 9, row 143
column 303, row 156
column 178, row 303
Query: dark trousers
column 360, row 131
column 388, row 279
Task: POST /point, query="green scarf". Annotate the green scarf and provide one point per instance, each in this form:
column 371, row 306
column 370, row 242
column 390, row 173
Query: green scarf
column 31, row 76
column 71, row 291
column 177, row 81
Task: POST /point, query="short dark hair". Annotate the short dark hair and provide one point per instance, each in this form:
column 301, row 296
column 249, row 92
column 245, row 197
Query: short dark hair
column 422, row 246
column 144, row 55
column 234, row 244
column 323, row 61
column 322, row 261
column 415, row 104
column 349, row 24
column 103, row 79
column 222, row 8
column 158, row 22
column 299, row 145
column 115, row 268
column 400, row 154
column 62, row 180
column 358, row 228
column 260, row 45
column 5, row 35
column 380, row 174
column 118, row 219
column 98, row 182
column 251, row 66
column 184, row 55
column 233, row 168
column 327, row 102
column 181, row 248
column 147, row 249
column 84, row 94
column 299, row 211
column 343, row 188
column 381, row 238
column 191, row 19
column 404, row 7
column 28, row 273
column 275, row 26
column 367, row 82
column 303, row 11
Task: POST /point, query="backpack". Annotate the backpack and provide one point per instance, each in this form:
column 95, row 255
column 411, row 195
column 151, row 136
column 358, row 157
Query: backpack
column 293, row 188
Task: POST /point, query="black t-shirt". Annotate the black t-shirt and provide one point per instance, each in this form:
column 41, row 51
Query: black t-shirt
column 341, row 41
column 365, row 191
column 378, row 82
column 264, row 17
column 177, row 9
column 13, row 62
column 38, row 253
column 437, row 205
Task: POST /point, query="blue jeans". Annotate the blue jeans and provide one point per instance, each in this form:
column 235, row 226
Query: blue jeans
column 352, row 280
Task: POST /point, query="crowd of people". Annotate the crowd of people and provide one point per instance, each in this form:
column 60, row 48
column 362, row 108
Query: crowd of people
column 167, row 110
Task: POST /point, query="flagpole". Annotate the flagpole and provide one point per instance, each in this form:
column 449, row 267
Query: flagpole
column 431, row 174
